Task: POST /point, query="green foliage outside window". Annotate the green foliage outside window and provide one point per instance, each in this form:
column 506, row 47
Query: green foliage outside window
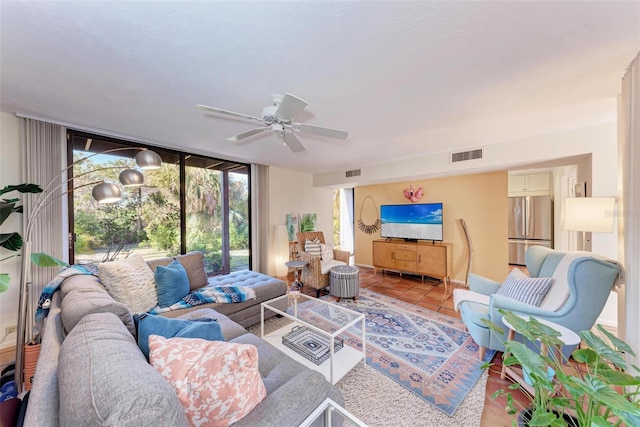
column 148, row 219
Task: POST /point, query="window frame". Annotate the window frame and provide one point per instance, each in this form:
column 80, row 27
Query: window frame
column 73, row 138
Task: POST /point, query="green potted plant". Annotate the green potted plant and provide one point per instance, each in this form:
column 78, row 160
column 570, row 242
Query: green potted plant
column 596, row 390
column 13, row 241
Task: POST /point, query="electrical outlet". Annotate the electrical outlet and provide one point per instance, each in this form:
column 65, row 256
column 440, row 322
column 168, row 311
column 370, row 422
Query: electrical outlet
column 10, row 329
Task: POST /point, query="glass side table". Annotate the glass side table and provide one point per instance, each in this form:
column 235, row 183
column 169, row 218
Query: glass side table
column 296, row 265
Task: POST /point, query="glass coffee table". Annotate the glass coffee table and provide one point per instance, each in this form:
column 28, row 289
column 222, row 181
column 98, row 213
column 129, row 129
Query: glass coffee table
column 324, row 323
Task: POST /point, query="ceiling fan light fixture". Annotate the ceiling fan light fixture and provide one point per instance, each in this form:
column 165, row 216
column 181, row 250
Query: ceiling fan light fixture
column 278, row 118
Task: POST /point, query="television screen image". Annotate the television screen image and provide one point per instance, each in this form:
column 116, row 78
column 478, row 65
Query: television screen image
column 412, row 222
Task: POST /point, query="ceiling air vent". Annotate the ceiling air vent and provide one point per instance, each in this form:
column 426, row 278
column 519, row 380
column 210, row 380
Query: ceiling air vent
column 463, row 156
column 352, row 173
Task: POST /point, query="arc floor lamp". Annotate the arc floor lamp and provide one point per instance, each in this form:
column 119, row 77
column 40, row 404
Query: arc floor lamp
column 103, row 192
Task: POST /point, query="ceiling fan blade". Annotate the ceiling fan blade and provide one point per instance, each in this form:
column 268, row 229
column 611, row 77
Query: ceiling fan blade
column 230, row 113
column 293, row 142
column 246, row 134
column 331, row 133
column 290, row 106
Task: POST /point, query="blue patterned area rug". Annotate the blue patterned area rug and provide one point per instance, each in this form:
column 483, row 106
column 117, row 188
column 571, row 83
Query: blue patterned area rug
column 428, row 353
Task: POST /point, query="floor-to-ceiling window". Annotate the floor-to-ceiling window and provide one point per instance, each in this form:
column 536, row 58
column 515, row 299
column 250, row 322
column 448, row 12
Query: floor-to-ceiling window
column 192, row 203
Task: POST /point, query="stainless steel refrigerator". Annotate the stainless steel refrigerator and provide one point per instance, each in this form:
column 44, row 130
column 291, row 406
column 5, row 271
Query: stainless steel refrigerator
column 530, row 223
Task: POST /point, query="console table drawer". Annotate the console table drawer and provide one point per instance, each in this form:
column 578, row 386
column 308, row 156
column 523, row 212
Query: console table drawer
column 406, row 255
column 403, row 247
column 406, row 265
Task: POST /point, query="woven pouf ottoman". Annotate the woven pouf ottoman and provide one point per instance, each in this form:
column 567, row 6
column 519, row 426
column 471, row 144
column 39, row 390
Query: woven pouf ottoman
column 344, row 281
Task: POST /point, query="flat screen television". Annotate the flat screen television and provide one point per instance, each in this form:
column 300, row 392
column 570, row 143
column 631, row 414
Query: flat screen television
column 421, row 221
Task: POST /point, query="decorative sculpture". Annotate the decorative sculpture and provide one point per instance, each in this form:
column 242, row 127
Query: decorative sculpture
column 412, row 195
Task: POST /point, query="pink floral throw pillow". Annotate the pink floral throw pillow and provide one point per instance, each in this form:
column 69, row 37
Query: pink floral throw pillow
column 217, row 382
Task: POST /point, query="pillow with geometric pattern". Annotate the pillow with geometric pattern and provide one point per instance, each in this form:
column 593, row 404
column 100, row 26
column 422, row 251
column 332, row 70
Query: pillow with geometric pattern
column 528, row 290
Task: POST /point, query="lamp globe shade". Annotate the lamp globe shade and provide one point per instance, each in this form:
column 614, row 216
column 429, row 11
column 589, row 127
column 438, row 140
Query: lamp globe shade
column 131, row 178
column 106, row 193
column 148, row 159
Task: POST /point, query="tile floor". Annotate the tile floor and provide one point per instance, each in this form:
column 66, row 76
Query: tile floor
column 431, row 294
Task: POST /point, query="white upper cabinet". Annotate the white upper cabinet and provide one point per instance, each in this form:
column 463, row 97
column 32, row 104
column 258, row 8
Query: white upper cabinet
column 537, row 184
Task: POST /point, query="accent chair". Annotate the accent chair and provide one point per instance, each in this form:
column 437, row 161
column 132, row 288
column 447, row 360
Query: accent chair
column 589, row 279
column 316, row 272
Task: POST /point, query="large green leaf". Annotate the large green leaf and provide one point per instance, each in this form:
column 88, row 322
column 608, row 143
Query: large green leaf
column 11, row 241
column 602, row 349
column 585, row 355
column 22, row 188
column 535, row 365
column 43, row 260
column 615, row 377
column 6, row 209
column 607, row 397
column 4, row 281
column 542, row 417
column 617, row 342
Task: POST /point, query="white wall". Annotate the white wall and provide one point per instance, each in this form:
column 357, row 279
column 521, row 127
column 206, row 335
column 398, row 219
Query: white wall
column 10, row 175
column 293, row 192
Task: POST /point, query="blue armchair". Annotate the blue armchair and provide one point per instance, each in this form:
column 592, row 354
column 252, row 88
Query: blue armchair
column 589, row 279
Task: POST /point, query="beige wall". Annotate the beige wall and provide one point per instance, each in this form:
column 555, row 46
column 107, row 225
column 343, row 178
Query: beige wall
column 293, row 192
column 480, row 199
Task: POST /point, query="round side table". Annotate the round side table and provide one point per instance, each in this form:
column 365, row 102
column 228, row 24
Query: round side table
column 296, row 265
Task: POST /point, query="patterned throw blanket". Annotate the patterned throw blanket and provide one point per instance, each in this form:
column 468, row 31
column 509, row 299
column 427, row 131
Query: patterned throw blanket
column 206, row 295
column 209, row 294
column 47, row 293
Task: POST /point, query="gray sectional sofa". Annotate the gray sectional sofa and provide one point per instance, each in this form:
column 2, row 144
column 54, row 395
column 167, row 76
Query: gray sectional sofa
column 91, row 372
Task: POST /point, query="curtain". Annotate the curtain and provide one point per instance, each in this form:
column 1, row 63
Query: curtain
column 629, row 207
column 259, row 218
column 43, row 157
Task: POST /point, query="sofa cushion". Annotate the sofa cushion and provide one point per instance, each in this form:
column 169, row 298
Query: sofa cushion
column 130, row 281
column 172, row 283
column 104, row 379
column 82, row 295
column 528, row 290
column 149, row 324
column 193, row 262
column 218, row 383
column 325, row 266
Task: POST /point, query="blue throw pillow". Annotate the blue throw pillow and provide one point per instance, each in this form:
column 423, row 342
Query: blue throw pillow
column 150, row 324
column 172, row 282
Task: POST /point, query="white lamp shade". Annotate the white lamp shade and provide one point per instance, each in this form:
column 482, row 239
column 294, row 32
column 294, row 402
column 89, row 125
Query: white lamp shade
column 106, row 193
column 148, row 159
column 281, row 249
column 131, row 178
column 591, row 214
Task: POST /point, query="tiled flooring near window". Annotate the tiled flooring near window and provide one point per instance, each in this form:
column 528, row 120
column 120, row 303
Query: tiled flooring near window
column 431, row 294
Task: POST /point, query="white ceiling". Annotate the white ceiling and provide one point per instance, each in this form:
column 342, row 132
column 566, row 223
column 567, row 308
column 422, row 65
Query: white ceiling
column 404, row 78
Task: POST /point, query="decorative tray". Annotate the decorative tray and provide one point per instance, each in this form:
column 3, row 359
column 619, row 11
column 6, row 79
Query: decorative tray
column 311, row 345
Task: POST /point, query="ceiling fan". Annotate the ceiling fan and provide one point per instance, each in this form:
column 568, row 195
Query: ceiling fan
column 278, row 118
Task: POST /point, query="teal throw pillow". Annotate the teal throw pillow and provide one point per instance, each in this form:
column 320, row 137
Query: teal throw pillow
column 172, row 282
column 150, row 324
